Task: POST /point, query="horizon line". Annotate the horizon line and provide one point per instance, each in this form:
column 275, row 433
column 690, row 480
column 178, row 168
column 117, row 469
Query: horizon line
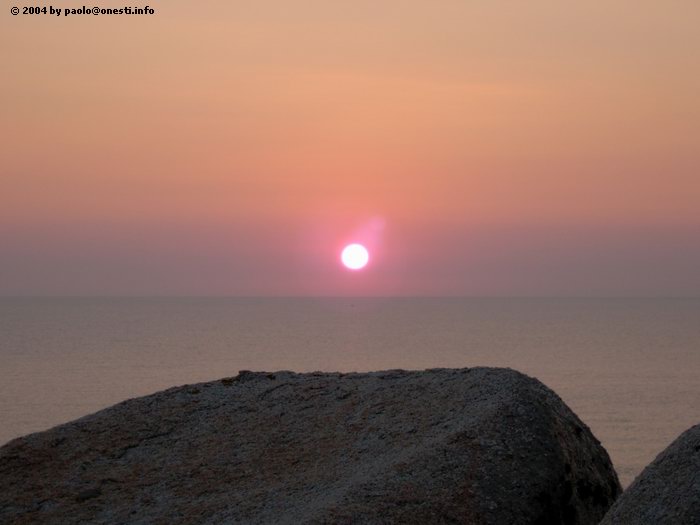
column 298, row 296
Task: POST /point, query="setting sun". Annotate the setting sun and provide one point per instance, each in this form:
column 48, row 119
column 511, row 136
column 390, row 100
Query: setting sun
column 354, row 256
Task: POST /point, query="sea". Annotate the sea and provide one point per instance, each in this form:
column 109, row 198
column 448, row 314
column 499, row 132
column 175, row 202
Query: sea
column 630, row 368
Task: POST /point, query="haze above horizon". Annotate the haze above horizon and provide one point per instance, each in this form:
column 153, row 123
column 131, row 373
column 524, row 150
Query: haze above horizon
column 476, row 149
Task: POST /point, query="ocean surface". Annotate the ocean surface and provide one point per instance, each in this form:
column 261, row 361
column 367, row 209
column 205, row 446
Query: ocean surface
column 629, row 368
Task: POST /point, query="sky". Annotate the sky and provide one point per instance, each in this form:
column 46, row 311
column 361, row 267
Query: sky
column 538, row 148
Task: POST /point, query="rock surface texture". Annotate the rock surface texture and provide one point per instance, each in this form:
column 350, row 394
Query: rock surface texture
column 667, row 491
column 476, row 446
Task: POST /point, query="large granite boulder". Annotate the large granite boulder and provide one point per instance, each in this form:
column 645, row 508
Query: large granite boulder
column 477, row 446
column 667, row 491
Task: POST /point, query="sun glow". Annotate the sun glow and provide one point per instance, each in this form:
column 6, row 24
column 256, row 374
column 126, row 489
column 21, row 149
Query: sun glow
column 354, row 256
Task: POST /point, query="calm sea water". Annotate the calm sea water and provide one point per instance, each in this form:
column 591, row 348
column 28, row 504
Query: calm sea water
column 629, row 368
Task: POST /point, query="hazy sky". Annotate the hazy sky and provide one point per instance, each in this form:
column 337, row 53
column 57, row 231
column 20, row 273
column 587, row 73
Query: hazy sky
column 478, row 147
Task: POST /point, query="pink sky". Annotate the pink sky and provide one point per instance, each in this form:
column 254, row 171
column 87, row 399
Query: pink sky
column 533, row 148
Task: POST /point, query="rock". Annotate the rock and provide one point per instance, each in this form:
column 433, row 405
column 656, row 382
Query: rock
column 87, row 494
column 667, row 491
column 477, row 446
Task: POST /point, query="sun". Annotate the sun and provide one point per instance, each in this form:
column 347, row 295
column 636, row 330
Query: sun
column 354, row 256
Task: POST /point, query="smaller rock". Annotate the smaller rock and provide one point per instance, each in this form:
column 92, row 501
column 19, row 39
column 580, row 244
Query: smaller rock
column 667, row 491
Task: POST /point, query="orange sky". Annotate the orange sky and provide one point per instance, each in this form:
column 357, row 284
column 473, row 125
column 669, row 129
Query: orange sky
column 508, row 147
